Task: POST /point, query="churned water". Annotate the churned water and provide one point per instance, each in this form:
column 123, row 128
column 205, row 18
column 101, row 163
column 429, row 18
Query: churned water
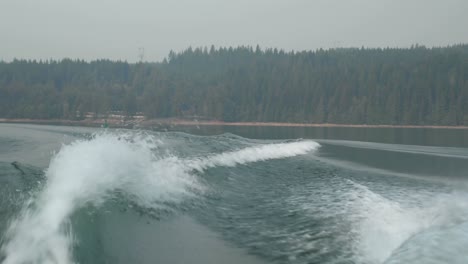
column 76, row 195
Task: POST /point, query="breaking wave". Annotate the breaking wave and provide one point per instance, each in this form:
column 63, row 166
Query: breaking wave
column 387, row 231
column 92, row 171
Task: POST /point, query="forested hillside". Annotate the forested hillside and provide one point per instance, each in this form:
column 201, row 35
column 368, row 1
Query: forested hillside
column 417, row 86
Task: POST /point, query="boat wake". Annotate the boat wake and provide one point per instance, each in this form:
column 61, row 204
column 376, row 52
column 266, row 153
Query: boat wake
column 89, row 172
column 296, row 210
column 422, row 231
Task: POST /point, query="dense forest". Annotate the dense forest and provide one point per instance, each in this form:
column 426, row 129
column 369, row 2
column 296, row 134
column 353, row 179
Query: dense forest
column 417, row 85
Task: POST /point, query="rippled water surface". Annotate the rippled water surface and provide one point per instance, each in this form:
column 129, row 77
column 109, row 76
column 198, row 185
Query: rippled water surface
column 242, row 195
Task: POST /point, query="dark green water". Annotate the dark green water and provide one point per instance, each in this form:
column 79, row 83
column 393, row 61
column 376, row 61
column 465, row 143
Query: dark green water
column 233, row 195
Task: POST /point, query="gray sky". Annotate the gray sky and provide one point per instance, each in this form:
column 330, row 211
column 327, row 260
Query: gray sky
column 90, row 29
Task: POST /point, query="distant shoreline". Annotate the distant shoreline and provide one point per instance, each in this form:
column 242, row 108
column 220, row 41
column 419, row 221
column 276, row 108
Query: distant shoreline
column 151, row 123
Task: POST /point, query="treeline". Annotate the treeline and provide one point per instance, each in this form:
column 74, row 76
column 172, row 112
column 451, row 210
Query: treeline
column 419, row 86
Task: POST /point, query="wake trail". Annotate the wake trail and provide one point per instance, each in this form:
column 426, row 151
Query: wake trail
column 254, row 154
column 387, row 231
column 90, row 171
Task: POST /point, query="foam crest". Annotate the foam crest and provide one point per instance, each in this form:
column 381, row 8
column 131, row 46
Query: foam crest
column 384, row 230
column 87, row 172
column 255, row 154
column 380, row 225
column 445, row 240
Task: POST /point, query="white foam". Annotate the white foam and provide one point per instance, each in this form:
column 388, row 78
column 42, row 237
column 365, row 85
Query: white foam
column 88, row 171
column 254, row 154
column 382, row 226
column 444, row 240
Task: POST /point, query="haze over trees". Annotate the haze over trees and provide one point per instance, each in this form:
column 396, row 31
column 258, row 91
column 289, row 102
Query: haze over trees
column 418, row 86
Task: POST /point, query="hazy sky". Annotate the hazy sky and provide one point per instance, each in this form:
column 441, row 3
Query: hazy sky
column 90, row 29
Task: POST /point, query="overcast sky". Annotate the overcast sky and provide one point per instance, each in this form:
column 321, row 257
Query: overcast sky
column 90, row 29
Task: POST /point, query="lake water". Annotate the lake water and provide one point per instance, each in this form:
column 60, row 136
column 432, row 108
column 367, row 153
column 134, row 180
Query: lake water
column 233, row 195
